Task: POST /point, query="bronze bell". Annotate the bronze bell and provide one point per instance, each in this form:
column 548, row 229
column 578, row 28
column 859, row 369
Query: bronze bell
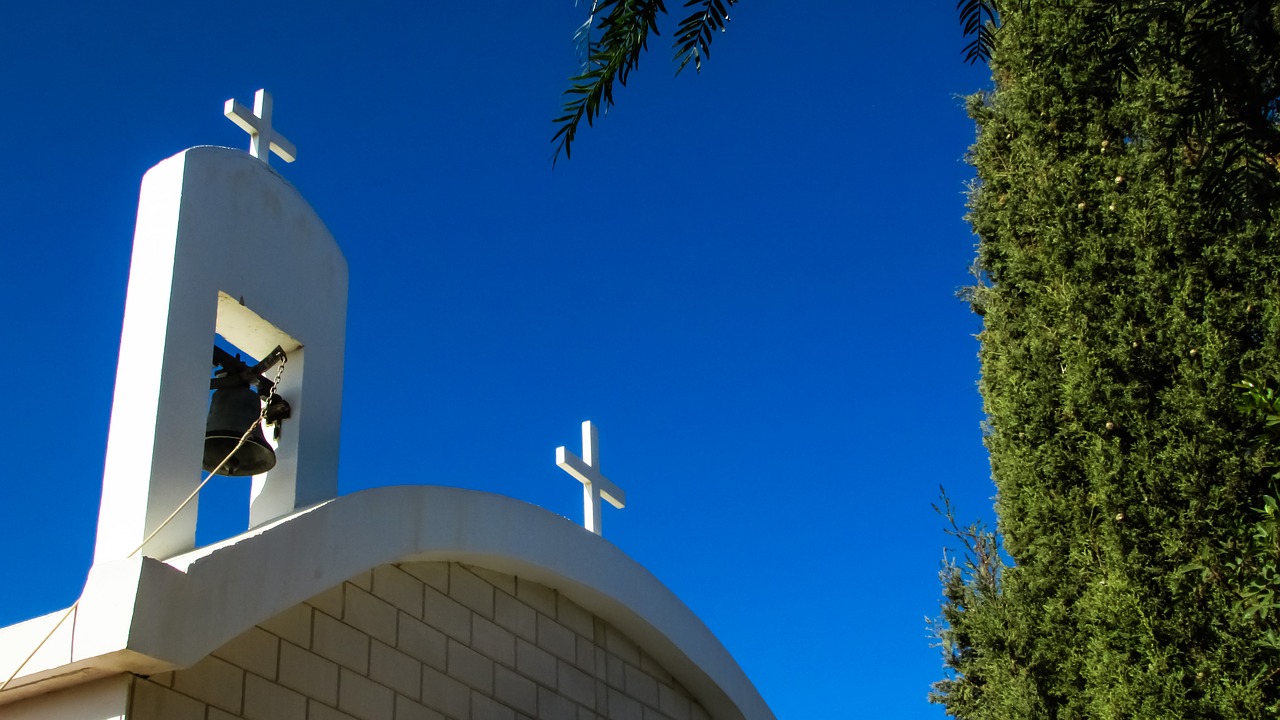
column 231, row 411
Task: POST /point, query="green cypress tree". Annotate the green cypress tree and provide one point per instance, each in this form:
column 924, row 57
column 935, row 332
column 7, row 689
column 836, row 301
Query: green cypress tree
column 1128, row 210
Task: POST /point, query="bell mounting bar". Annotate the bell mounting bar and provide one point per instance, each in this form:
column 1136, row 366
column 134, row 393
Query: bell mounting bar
column 235, row 373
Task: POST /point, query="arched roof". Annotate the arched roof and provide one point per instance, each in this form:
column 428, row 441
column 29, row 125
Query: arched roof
column 146, row 616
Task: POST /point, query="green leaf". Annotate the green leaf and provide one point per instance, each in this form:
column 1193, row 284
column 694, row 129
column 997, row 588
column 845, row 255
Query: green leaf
column 624, row 26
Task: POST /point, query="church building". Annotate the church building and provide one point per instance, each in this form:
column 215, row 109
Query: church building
column 409, row 602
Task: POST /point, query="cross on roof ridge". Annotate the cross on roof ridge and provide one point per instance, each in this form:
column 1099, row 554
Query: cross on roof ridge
column 594, row 484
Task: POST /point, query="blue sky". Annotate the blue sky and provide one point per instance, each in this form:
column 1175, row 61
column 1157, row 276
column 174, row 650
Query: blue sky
column 746, row 278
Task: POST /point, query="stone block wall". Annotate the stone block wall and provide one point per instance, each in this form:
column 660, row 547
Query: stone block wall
column 424, row 641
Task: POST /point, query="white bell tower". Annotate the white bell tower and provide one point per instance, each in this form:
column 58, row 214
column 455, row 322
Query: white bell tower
column 223, row 245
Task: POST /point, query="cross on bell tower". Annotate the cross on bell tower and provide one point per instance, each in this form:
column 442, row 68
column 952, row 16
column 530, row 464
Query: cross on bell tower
column 263, row 139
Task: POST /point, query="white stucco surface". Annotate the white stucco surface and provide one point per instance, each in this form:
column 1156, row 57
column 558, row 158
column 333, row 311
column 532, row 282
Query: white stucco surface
column 106, row 699
column 146, row 616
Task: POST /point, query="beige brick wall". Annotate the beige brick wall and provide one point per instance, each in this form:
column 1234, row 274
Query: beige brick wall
column 424, row 641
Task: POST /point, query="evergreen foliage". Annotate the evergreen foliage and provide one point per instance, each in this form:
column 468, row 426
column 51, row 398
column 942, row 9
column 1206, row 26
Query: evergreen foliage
column 1256, row 565
column 1128, row 211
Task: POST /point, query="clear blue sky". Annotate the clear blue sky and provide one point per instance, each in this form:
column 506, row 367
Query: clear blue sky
column 746, row 278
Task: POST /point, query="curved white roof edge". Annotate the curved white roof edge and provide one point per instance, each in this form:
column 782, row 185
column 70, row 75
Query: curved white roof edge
column 146, row 616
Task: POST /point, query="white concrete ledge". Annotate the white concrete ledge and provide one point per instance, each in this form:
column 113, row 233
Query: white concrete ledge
column 157, row 616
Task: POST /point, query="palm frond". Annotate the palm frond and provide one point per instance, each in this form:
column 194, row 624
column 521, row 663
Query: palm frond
column 582, row 37
column 693, row 37
column 625, row 26
column 624, row 34
column 980, row 18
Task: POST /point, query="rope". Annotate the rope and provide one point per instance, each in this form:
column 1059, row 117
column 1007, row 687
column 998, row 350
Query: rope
column 243, row 439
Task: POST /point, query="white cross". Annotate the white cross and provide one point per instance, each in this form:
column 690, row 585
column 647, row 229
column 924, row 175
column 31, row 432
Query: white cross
column 587, row 471
column 263, row 139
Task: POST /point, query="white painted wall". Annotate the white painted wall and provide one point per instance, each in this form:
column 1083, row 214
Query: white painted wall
column 106, row 699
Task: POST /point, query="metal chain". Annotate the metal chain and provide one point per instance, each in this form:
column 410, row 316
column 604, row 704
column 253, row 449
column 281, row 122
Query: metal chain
column 274, row 385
